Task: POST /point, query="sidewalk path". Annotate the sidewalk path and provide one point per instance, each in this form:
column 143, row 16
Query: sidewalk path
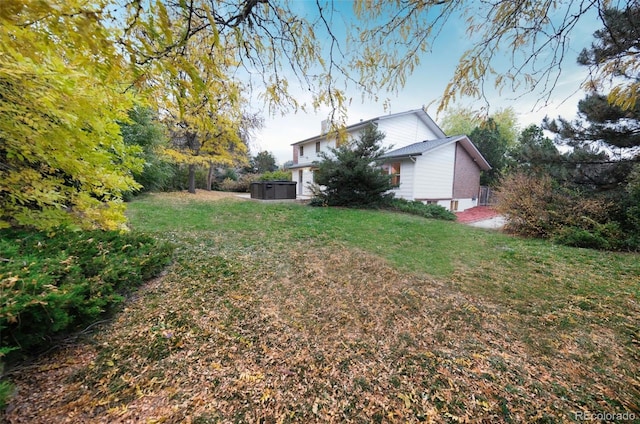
column 481, row 216
column 477, row 213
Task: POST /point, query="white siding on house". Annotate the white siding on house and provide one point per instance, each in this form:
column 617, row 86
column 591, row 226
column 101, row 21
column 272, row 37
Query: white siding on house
column 430, row 177
column 464, row 204
column 444, row 203
column 405, row 191
column 400, row 131
column 307, row 178
column 434, row 173
column 309, row 149
column 403, row 130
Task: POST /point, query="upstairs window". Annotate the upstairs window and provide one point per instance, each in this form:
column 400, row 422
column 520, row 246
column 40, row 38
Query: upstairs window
column 394, row 173
column 301, row 150
column 317, row 147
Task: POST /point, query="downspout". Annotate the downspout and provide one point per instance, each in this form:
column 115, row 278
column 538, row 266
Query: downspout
column 455, row 166
column 415, row 175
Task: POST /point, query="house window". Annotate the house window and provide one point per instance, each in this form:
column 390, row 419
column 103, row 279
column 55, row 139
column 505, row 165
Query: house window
column 454, row 205
column 394, row 172
column 317, row 147
column 301, row 150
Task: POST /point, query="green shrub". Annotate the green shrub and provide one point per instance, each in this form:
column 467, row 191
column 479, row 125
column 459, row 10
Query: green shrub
column 229, row 173
column 578, row 237
column 6, row 391
column 242, row 185
column 415, row 207
column 278, row 175
column 593, row 236
column 54, row 283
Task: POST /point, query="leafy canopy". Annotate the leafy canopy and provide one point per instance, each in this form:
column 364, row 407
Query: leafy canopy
column 263, row 162
column 69, row 71
column 145, row 130
column 494, row 136
column 62, row 159
column 533, row 37
column 201, row 101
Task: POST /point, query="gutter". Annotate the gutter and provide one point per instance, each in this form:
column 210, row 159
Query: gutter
column 410, row 156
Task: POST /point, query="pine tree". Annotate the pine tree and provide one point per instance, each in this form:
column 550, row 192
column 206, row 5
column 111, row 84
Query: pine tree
column 493, row 146
column 349, row 176
column 536, row 154
column 606, row 137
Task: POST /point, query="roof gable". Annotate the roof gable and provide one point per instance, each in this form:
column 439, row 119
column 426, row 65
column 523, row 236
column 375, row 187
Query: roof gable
column 423, row 147
column 420, row 113
column 416, row 149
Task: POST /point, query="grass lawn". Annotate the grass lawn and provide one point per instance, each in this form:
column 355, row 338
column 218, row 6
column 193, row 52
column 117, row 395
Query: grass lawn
column 287, row 313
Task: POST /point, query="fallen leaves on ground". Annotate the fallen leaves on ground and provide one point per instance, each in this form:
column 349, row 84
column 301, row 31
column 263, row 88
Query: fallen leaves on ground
column 322, row 333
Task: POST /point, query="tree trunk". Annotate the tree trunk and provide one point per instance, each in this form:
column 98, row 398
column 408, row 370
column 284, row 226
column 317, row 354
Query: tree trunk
column 210, row 177
column 192, row 179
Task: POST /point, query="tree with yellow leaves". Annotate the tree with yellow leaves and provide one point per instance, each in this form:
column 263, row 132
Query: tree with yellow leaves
column 200, row 100
column 70, row 68
column 62, row 159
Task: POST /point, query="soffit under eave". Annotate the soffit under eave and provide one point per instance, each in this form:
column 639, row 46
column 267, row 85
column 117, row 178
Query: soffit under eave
column 475, row 154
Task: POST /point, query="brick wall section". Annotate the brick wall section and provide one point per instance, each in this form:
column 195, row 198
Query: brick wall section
column 295, row 155
column 466, row 177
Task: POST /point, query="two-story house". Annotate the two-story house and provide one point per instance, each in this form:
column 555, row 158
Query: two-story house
column 425, row 164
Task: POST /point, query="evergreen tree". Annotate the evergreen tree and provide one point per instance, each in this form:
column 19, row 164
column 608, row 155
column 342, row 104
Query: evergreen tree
column 349, row 176
column 493, row 136
column 493, row 146
column 604, row 144
column 614, row 53
column 262, row 162
column 603, row 125
column 536, row 154
column 606, row 137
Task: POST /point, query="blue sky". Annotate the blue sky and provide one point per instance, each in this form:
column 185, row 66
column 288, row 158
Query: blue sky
column 425, row 87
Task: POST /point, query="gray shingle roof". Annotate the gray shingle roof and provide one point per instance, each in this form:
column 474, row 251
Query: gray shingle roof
column 419, row 148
